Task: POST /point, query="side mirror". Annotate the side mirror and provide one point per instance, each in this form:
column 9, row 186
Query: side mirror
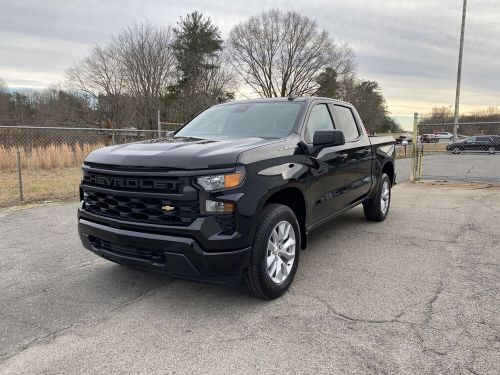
column 328, row 138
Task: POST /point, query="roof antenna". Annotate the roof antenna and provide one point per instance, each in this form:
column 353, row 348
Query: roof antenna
column 292, row 96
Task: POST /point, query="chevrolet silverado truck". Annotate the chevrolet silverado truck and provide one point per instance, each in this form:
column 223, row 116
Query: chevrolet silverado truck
column 233, row 195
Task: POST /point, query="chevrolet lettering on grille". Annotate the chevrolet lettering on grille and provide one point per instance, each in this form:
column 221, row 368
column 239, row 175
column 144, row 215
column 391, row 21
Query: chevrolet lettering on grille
column 130, row 183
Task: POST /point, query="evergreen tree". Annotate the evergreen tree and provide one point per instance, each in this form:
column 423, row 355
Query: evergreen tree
column 197, row 42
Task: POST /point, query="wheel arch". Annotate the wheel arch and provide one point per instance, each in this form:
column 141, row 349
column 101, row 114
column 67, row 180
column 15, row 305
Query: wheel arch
column 293, row 197
column 388, row 168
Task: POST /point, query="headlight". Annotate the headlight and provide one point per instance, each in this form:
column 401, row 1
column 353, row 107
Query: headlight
column 221, row 181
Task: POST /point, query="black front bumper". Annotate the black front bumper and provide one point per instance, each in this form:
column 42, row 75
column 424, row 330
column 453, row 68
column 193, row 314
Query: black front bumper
column 177, row 256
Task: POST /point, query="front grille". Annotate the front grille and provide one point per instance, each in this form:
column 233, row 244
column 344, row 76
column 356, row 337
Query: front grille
column 146, row 210
column 127, row 251
column 144, row 198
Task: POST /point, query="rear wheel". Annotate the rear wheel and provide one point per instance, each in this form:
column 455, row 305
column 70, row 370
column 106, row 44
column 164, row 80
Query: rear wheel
column 275, row 253
column 377, row 208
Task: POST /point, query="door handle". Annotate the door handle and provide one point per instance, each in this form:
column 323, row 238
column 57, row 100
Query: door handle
column 363, row 152
column 330, row 156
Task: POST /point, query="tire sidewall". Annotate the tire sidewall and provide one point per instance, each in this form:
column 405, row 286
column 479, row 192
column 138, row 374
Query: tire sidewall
column 269, row 287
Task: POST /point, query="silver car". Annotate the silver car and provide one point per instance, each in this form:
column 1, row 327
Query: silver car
column 443, row 135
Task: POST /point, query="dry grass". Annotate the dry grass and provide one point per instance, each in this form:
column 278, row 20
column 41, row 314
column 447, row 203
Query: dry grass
column 40, row 185
column 429, row 148
column 46, row 157
column 50, row 173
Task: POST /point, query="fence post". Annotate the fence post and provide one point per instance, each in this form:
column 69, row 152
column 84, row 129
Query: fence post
column 419, row 175
column 159, row 125
column 113, row 136
column 19, row 175
column 413, row 174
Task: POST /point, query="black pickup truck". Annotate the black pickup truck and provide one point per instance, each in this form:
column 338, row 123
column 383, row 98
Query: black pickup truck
column 232, row 196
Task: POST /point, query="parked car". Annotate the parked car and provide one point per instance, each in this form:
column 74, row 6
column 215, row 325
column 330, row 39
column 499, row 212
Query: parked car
column 443, row 135
column 484, row 143
column 429, row 138
column 233, row 195
column 408, row 137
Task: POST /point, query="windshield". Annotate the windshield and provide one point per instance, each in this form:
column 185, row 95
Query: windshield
column 248, row 120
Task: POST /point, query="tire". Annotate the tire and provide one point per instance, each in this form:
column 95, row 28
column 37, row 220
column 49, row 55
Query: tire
column 259, row 279
column 456, row 150
column 491, row 150
column 377, row 208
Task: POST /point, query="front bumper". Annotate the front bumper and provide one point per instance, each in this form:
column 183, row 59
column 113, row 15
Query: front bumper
column 177, row 256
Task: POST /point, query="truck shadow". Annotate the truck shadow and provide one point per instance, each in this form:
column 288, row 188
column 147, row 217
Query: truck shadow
column 187, row 289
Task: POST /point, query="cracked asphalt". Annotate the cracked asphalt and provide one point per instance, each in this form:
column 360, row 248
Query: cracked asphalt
column 416, row 294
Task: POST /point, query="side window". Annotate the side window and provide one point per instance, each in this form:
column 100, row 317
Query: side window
column 346, row 122
column 319, row 119
column 470, row 139
column 483, row 139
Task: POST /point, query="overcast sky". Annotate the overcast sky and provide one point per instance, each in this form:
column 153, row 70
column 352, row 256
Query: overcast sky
column 409, row 47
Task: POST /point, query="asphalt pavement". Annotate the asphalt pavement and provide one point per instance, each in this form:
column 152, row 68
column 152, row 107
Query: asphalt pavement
column 416, row 294
column 472, row 167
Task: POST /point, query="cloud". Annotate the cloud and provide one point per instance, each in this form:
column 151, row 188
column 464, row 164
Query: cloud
column 409, row 47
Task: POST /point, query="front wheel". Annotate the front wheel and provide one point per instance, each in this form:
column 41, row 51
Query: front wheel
column 377, row 208
column 491, row 150
column 275, row 253
column 456, row 151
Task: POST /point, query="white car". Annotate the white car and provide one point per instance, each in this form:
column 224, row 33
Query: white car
column 443, row 135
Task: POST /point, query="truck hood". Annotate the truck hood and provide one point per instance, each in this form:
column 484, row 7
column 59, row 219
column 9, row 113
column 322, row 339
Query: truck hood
column 177, row 153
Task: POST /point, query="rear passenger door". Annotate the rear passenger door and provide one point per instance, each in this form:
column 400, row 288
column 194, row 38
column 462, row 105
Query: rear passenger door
column 358, row 165
column 483, row 143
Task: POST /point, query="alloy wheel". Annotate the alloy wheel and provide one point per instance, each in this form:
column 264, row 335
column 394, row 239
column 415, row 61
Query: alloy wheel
column 281, row 252
column 385, row 197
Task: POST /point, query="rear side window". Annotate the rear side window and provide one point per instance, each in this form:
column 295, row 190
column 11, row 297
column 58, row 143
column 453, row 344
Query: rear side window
column 345, row 121
column 319, row 119
column 483, row 139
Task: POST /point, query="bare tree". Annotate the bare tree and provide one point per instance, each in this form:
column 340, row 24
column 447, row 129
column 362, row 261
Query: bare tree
column 100, row 78
column 220, row 79
column 4, row 102
column 124, row 80
column 148, row 62
column 278, row 54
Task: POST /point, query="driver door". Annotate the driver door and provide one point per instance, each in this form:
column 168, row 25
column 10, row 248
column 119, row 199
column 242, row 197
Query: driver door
column 468, row 144
column 328, row 178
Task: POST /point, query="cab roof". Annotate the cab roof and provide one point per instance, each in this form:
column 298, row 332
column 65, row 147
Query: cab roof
column 307, row 99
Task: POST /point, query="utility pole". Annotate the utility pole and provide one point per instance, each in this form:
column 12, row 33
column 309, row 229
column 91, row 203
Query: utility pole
column 413, row 172
column 459, row 74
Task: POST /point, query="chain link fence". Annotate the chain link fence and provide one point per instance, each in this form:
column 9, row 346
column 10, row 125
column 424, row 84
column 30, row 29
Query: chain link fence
column 473, row 157
column 40, row 164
